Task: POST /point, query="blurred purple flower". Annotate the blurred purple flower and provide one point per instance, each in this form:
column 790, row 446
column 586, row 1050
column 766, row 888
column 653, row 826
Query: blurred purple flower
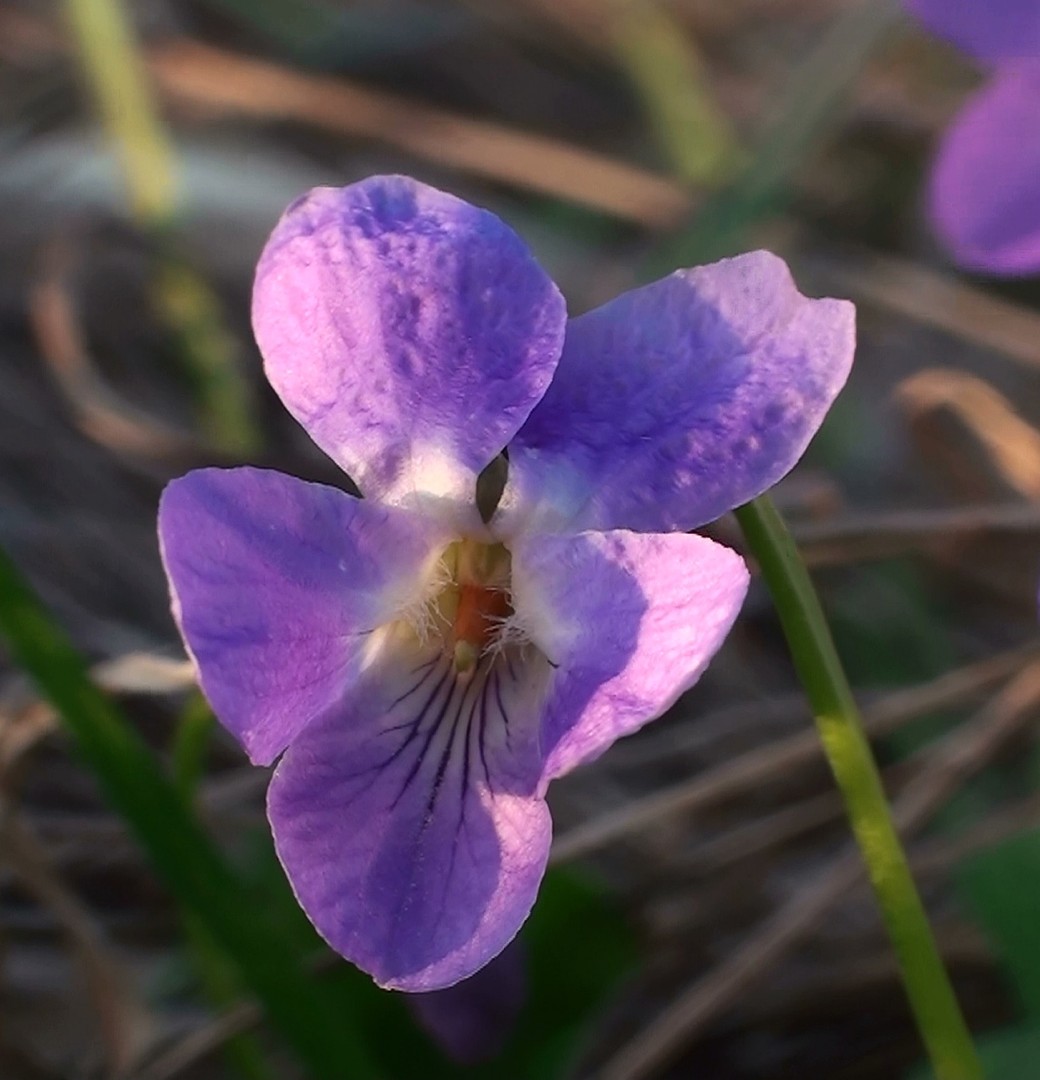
column 472, row 1020
column 428, row 674
column 984, row 192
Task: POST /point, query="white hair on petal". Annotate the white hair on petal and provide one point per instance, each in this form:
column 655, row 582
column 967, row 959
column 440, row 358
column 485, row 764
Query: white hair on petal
column 509, row 631
column 422, row 613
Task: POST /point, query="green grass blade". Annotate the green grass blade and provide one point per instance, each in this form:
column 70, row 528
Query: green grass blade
column 190, row 746
column 1002, row 885
column 216, row 972
column 805, row 113
column 665, row 70
column 323, row 1038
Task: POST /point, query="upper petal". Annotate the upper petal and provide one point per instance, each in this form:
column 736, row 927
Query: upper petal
column 988, row 29
column 277, row 585
column 410, row 823
column 629, row 622
column 984, row 197
column 678, row 401
column 409, row 332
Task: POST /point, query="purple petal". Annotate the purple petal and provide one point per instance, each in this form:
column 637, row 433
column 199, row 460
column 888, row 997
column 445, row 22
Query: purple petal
column 409, row 332
column 630, row 620
column 276, row 584
column 473, row 1019
column 987, row 29
column 676, row 402
column 984, row 197
column 410, row 824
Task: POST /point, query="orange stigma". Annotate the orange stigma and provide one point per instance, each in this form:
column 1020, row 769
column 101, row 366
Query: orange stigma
column 479, row 612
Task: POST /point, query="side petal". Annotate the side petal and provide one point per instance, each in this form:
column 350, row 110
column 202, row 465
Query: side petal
column 984, row 195
column 410, row 825
column 629, row 620
column 409, row 332
column 987, row 29
column 277, row 585
column 678, row 401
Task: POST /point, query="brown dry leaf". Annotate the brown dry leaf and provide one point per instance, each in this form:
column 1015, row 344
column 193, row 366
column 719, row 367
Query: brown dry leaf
column 971, row 434
column 976, row 442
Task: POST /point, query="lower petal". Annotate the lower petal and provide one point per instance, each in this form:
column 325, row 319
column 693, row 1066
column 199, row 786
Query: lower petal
column 410, row 824
column 628, row 620
column 984, row 198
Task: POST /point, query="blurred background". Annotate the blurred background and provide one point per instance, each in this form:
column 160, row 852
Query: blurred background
column 704, row 916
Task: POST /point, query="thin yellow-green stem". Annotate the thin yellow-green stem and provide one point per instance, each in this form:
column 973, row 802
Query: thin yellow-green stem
column 187, row 304
column 665, row 70
column 193, row 312
column 939, row 1019
column 124, row 97
column 805, row 109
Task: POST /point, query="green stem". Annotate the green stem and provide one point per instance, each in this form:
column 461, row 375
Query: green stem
column 932, row 1000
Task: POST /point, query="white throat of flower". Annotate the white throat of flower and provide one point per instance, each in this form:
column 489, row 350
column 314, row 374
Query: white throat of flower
column 466, row 604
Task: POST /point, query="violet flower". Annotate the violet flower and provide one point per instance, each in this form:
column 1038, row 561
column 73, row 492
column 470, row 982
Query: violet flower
column 426, row 674
column 472, row 1020
column 984, row 190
